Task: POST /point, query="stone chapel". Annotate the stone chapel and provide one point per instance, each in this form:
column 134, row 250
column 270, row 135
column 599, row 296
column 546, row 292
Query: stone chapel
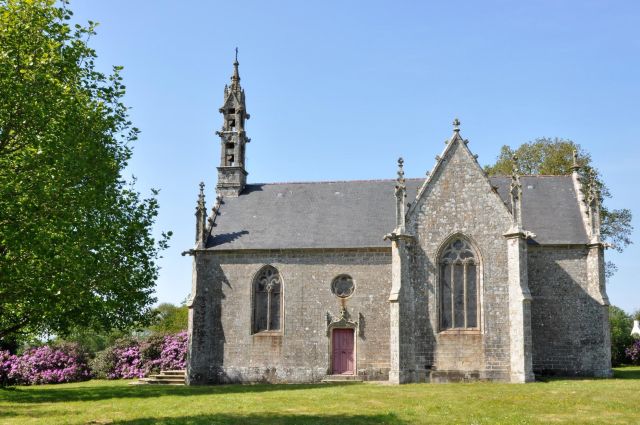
column 457, row 276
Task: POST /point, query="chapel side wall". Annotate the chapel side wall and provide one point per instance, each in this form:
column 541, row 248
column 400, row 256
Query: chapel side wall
column 300, row 353
column 206, row 335
column 568, row 324
column 460, row 201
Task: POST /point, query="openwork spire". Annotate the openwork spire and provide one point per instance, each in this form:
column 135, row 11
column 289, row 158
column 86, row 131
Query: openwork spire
column 232, row 175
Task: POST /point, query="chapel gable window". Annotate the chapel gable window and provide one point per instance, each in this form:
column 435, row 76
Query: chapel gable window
column 267, row 300
column 458, row 286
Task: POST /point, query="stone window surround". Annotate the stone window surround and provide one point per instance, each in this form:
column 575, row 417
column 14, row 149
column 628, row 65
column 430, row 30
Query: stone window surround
column 252, row 283
column 480, row 285
column 340, row 276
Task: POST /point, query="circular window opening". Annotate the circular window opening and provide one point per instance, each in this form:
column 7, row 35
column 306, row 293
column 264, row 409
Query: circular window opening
column 342, row 286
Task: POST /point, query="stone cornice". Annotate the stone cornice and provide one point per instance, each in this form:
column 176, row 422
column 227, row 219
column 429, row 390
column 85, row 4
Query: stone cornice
column 249, row 251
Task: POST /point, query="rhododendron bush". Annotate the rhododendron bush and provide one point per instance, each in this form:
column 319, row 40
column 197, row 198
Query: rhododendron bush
column 128, row 358
column 633, row 353
column 136, row 359
column 174, row 352
column 44, row 365
column 6, row 359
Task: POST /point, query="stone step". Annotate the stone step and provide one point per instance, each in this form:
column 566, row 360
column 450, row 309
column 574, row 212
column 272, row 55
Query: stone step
column 342, row 378
column 174, row 372
column 161, row 376
column 165, row 377
column 151, row 381
column 162, row 381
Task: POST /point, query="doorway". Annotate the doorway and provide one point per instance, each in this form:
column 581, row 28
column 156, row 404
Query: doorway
column 342, row 350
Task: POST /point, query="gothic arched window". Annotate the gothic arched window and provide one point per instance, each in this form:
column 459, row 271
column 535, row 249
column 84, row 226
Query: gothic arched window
column 267, row 300
column 459, row 277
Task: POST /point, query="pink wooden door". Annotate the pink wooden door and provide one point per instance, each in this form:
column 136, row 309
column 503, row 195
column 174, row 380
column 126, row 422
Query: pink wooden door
column 342, row 352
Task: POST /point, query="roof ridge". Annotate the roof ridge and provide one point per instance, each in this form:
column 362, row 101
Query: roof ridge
column 532, row 175
column 334, row 181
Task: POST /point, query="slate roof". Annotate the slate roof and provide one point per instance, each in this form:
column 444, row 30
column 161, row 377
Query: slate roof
column 357, row 214
column 550, row 208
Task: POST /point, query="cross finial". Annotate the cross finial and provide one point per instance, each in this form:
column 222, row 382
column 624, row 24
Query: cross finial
column 235, row 78
column 456, row 125
column 400, row 170
column 201, row 205
column 400, row 179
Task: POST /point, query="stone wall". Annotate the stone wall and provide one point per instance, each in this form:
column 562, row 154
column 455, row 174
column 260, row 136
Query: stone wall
column 460, row 200
column 569, row 323
column 300, row 352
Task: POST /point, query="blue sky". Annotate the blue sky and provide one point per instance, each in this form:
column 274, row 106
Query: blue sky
column 337, row 90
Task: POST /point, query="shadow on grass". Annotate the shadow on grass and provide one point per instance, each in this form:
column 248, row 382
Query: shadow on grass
column 627, row 373
column 620, row 372
column 101, row 392
column 266, row 419
column 25, row 411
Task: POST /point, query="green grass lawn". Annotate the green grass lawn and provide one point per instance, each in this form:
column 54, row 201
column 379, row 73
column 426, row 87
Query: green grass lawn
column 115, row 402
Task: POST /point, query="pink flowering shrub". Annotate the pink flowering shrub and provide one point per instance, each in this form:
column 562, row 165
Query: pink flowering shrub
column 6, row 360
column 46, row 365
column 633, row 352
column 128, row 363
column 128, row 358
column 136, row 359
column 174, row 352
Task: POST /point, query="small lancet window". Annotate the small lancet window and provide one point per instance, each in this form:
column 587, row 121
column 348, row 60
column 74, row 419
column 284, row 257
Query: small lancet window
column 267, row 300
column 458, row 286
column 232, row 111
column 232, row 124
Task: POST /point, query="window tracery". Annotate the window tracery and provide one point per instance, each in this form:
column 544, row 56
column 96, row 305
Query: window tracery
column 267, row 300
column 342, row 286
column 459, row 279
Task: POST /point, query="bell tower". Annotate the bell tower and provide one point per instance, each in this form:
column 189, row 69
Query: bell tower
column 232, row 175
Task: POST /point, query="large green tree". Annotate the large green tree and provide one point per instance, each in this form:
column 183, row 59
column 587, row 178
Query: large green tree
column 170, row 319
column 555, row 157
column 76, row 245
column 621, row 324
